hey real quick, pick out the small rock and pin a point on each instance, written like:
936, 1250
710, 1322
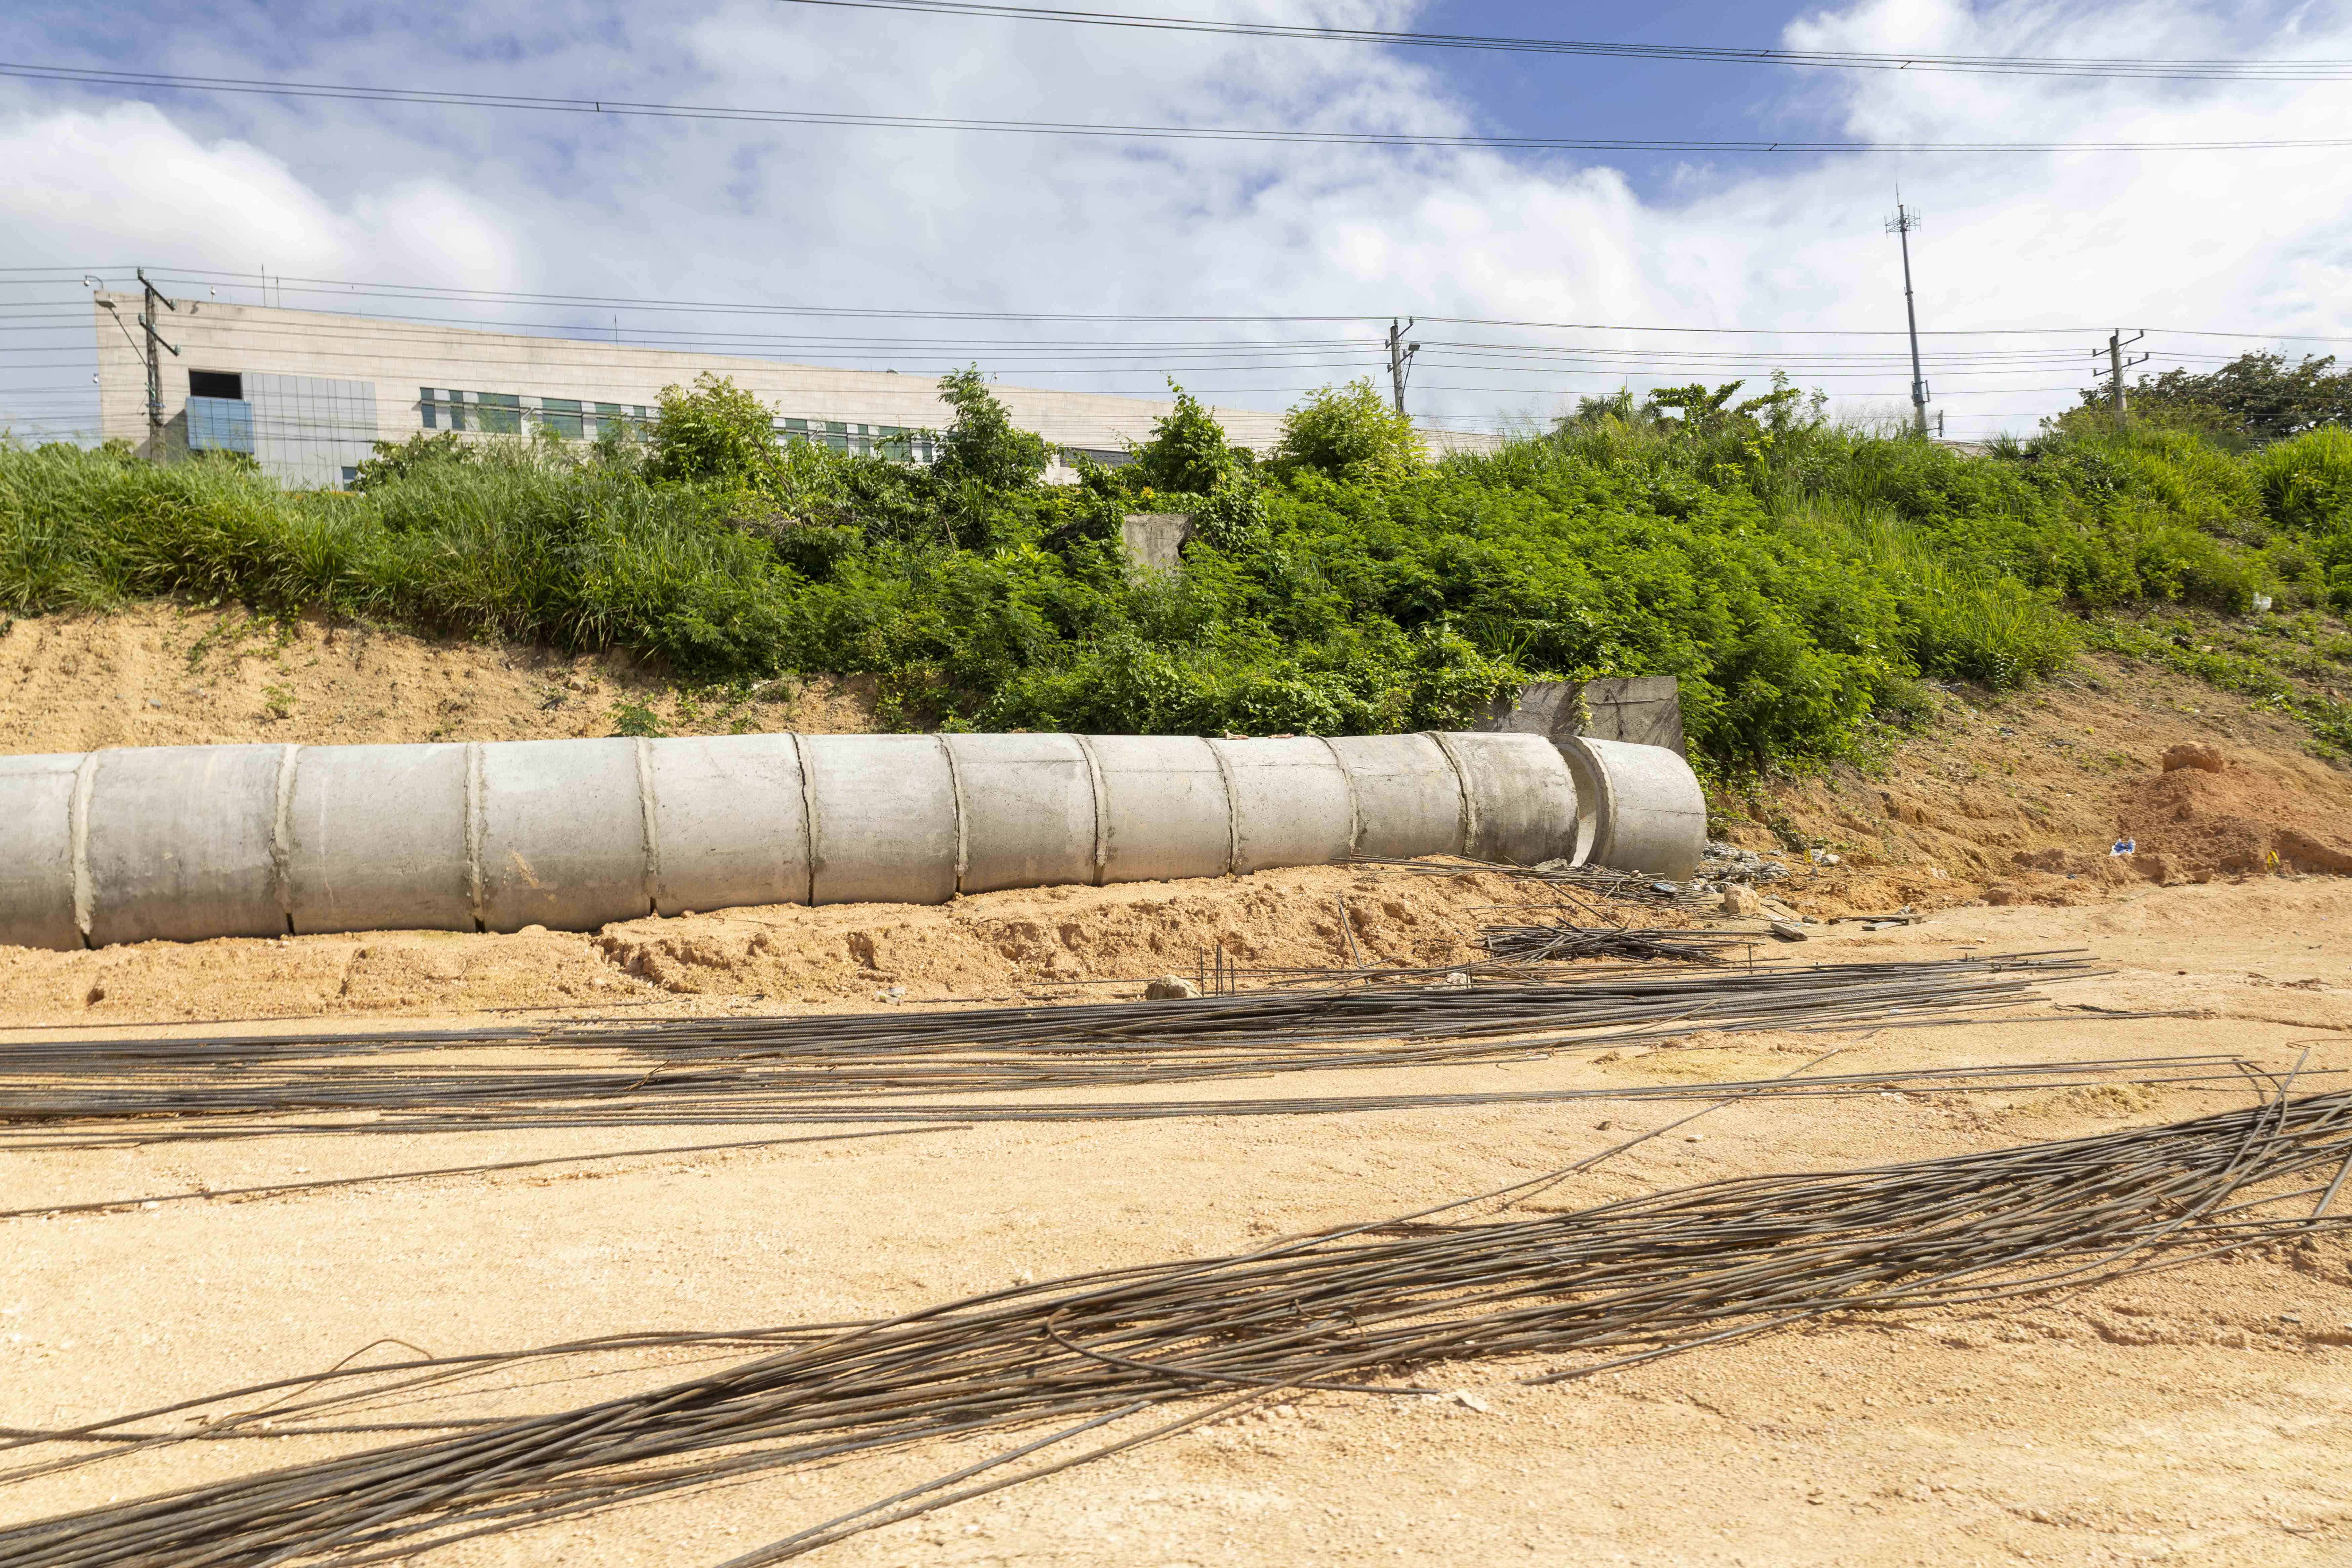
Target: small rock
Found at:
1693, 1137
1788, 933
1456, 981
1740, 901
1470, 1401
1170, 988
2194, 754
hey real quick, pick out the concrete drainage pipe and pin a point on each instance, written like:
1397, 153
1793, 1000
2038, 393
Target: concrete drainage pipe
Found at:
187, 842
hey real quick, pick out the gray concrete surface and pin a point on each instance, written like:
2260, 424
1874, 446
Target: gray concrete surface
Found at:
1027, 808
1408, 797
185, 843
731, 822
882, 815
562, 826
36, 854
1644, 709
1154, 540
181, 844
1291, 800
1165, 809
376, 838
1652, 813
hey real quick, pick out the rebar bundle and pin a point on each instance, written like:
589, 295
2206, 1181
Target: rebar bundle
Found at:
1595, 881
1554, 941
1359, 1311
841, 1068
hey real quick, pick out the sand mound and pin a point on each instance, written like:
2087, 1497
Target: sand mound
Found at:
2015, 798
2193, 823
1076, 944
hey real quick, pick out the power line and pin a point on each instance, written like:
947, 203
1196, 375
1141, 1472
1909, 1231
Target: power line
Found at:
148, 81
2268, 71
357, 289
361, 289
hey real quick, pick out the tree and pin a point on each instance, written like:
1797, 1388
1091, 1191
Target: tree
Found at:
983, 445
717, 432
2257, 396
1703, 411
1348, 433
1188, 452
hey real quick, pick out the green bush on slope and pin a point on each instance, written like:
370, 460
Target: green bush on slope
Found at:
1798, 577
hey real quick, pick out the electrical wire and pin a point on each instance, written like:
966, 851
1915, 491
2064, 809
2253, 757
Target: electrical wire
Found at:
357, 289
2158, 69
151, 81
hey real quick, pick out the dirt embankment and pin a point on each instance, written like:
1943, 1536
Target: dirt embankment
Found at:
1068, 943
168, 675
2019, 799
2014, 798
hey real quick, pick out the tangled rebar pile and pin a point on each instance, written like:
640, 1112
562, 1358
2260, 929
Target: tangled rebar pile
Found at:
843, 1068
1600, 882
1553, 941
1595, 1288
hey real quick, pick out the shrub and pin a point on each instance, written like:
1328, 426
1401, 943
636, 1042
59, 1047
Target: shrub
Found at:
396, 460
1348, 434
1800, 578
983, 445
718, 433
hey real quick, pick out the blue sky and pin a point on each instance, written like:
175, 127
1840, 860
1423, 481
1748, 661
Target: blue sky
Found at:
2059, 244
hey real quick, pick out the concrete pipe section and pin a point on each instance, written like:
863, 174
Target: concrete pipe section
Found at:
1639, 808
182, 843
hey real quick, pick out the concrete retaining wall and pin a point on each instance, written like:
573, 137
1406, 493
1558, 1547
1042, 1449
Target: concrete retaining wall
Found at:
185, 843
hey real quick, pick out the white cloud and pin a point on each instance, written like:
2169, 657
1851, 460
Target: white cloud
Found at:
95, 187
869, 217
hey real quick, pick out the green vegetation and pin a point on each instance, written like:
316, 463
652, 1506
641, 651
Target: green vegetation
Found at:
2257, 397
1802, 578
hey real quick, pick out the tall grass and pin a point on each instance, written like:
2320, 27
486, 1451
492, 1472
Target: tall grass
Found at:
577, 556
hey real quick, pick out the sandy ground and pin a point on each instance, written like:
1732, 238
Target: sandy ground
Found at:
2198, 1417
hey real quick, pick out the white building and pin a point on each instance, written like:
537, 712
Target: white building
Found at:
309, 393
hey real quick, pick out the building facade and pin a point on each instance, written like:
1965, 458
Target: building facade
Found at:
308, 394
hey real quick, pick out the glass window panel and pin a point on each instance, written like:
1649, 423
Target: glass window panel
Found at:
500, 414
561, 415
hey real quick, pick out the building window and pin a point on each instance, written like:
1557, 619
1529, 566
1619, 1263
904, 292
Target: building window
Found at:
561, 415
438, 408
220, 424
224, 383
351, 475
499, 414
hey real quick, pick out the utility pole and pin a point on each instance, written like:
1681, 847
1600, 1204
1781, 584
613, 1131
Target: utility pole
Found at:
154, 367
1901, 225
1400, 357
2116, 364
